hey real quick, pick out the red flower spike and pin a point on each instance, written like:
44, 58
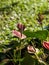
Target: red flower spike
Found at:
18, 34
30, 49
21, 26
46, 45
40, 18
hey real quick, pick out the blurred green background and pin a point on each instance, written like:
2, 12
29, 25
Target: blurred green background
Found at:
26, 12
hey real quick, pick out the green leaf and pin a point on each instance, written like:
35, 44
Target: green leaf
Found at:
38, 34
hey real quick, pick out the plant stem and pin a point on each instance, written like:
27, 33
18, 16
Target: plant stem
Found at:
42, 26
20, 53
20, 57
40, 60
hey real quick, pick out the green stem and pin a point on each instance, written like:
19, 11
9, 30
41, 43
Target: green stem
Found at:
20, 53
40, 60
20, 57
14, 56
42, 26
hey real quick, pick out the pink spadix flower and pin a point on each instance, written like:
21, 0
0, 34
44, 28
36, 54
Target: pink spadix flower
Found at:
20, 26
46, 45
18, 34
31, 49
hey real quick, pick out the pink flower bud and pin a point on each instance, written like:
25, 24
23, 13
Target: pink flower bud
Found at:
18, 34
46, 45
30, 49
